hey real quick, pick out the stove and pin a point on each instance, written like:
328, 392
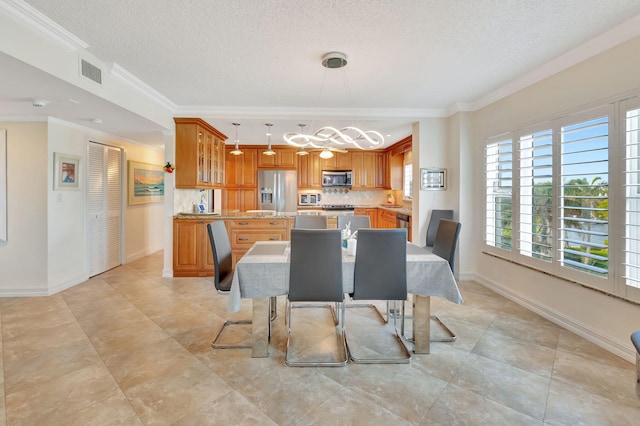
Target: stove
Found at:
338, 207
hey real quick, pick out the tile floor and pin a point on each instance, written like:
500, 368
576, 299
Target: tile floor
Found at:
130, 347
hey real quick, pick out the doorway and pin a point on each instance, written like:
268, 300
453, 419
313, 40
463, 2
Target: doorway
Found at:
104, 206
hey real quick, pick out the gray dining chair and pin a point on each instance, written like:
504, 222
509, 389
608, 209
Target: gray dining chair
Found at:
311, 222
635, 339
315, 275
434, 221
223, 275
445, 244
355, 222
380, 273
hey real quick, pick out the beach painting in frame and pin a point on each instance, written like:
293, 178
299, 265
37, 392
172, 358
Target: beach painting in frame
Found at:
146, 183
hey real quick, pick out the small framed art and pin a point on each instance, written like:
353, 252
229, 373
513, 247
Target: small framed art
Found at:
433, 179
66, 172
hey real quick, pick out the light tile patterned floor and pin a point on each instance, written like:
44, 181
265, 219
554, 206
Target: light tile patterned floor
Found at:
130, 347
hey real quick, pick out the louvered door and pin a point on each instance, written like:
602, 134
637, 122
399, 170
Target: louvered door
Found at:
104, 207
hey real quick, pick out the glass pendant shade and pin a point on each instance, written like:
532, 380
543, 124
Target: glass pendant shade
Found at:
236, 149
269, 151
325, 153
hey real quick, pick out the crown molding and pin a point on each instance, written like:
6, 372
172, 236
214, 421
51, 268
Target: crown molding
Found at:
134, 82
25, 14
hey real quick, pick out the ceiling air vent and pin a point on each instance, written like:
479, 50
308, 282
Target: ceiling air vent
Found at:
91, 72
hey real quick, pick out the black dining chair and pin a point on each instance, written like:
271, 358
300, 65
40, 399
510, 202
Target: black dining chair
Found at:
315, 275
311, 222
355, 222
445, 244
223, 275
380, 273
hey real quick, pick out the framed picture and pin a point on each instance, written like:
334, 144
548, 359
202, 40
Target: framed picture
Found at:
146, 183
66, 172
431, 179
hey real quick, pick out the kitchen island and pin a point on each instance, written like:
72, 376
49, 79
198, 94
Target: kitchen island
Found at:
192, 255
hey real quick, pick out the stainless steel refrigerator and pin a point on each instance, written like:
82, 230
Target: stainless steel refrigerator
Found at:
278, 190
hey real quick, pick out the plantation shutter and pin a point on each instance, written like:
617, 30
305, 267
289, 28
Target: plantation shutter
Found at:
631, 271
498, 194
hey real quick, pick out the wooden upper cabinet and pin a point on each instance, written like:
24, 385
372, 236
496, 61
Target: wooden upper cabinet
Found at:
310, 171
285, 158
199, 154
339, 161
241, 170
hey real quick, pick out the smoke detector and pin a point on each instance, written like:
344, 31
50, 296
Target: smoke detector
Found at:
39, 103
334, 60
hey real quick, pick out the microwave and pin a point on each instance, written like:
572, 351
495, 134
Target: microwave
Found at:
336, 178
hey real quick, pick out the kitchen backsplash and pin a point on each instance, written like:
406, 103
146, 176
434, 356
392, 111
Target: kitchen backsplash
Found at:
183, 199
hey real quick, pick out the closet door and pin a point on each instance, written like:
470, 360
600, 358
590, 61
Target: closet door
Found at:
104, 206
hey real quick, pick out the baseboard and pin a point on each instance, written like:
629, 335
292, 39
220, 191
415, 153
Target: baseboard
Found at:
620, 349
142, 253
24, 292
67, 284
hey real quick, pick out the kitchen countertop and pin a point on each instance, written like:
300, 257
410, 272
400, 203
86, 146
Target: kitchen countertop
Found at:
234, 214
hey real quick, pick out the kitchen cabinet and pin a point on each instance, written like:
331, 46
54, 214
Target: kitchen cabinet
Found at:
241, 170
244, 232
386, 219
310, 171
364, 165
339, 161
199, 155
285, 158
192, 255
240, 199
372, 213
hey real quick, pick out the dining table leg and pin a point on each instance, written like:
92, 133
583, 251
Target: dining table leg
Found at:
421, 329
260, 327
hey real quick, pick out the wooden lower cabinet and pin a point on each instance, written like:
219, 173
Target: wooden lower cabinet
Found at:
192, 255
372, 213
386, 219
244, 232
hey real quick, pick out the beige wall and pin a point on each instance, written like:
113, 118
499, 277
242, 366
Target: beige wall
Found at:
23, 257
47, 242
602, 319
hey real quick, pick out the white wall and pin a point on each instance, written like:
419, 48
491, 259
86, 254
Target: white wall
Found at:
602, 319
47, 229
23, 257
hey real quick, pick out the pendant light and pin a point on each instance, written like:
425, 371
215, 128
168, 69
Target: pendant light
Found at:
236, 150
269, 151
302, 151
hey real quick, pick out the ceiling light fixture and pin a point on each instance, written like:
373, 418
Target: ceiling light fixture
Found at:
325, 153
302, 151
269, 151
236, 150
328, 137
39, 103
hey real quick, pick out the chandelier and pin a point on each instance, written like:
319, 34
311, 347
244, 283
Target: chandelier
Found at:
236, 150
330, 138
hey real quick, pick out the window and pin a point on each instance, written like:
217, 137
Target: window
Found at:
407, 181
555, 183
536, 195
631, 271
584, 196
499, 180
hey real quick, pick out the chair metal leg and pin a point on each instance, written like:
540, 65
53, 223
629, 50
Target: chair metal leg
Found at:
405, 360
638, 375
273, 309
339, 332
216, 345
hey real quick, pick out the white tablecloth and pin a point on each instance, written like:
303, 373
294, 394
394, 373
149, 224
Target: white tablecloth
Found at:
264, 272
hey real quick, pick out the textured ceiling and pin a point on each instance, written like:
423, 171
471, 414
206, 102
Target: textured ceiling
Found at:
258, 61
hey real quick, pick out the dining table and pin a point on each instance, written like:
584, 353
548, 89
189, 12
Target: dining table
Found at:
263, 273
